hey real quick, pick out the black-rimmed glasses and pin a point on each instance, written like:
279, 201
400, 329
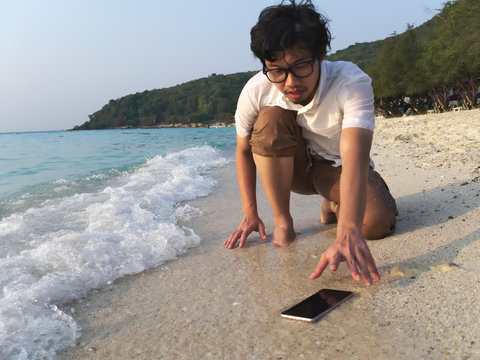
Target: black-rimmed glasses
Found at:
300, 70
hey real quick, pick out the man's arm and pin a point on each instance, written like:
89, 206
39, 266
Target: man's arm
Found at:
246, 174
350, 246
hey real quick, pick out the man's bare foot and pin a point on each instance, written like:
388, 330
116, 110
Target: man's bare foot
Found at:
284, 233
327, 212
283, 237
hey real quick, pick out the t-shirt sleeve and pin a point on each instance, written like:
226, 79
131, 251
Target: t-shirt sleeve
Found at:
356, 100
247, 110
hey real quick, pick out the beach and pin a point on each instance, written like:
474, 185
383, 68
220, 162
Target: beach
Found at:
214, 303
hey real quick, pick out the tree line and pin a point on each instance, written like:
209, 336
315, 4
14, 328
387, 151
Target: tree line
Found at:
425, 67
433, 65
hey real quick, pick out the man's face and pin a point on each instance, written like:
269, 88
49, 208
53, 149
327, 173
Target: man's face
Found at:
297, 90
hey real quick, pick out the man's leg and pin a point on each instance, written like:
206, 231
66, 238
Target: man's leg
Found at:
328, 212
281, 160
276, 175
381, 210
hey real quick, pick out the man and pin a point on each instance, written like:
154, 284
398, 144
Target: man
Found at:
306, 125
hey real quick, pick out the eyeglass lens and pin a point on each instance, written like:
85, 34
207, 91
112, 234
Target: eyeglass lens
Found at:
301, 70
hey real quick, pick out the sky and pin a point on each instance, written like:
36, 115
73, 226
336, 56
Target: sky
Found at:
61, 61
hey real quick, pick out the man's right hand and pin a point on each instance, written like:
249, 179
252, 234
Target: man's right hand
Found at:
248, 224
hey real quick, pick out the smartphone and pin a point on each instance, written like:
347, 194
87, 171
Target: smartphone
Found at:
314, 307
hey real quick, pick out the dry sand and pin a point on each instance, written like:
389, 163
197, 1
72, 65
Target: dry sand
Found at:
214, 303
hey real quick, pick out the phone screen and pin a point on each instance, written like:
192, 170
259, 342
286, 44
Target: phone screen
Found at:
313, 307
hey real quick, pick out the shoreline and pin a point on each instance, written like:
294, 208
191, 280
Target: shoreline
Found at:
169, 126
214, 303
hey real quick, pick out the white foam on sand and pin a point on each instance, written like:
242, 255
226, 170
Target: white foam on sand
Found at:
58, 252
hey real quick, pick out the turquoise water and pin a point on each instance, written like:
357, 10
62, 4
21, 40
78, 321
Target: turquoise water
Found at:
79, 210
30, 159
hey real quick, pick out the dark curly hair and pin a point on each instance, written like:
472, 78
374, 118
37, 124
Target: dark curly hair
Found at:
282, 26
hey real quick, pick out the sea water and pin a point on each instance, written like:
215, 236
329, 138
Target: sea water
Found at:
81, 209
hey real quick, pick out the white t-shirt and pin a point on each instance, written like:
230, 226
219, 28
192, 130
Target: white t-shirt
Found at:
344, 99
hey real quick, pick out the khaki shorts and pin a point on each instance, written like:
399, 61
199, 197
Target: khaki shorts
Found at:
277, 134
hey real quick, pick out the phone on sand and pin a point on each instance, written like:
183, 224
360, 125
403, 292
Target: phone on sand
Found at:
317, 305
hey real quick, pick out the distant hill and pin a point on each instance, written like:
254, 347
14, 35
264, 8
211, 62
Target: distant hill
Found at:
363, 54
205, 100
440, 52
367, 54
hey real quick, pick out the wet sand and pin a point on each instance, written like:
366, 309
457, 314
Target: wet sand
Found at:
214, 303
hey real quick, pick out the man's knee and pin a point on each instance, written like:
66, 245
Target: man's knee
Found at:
380, 214
378, 226
275, 133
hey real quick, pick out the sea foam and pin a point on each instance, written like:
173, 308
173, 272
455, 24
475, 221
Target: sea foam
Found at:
61, 250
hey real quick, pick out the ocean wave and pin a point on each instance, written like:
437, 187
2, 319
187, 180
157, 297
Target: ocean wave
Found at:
59, 251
